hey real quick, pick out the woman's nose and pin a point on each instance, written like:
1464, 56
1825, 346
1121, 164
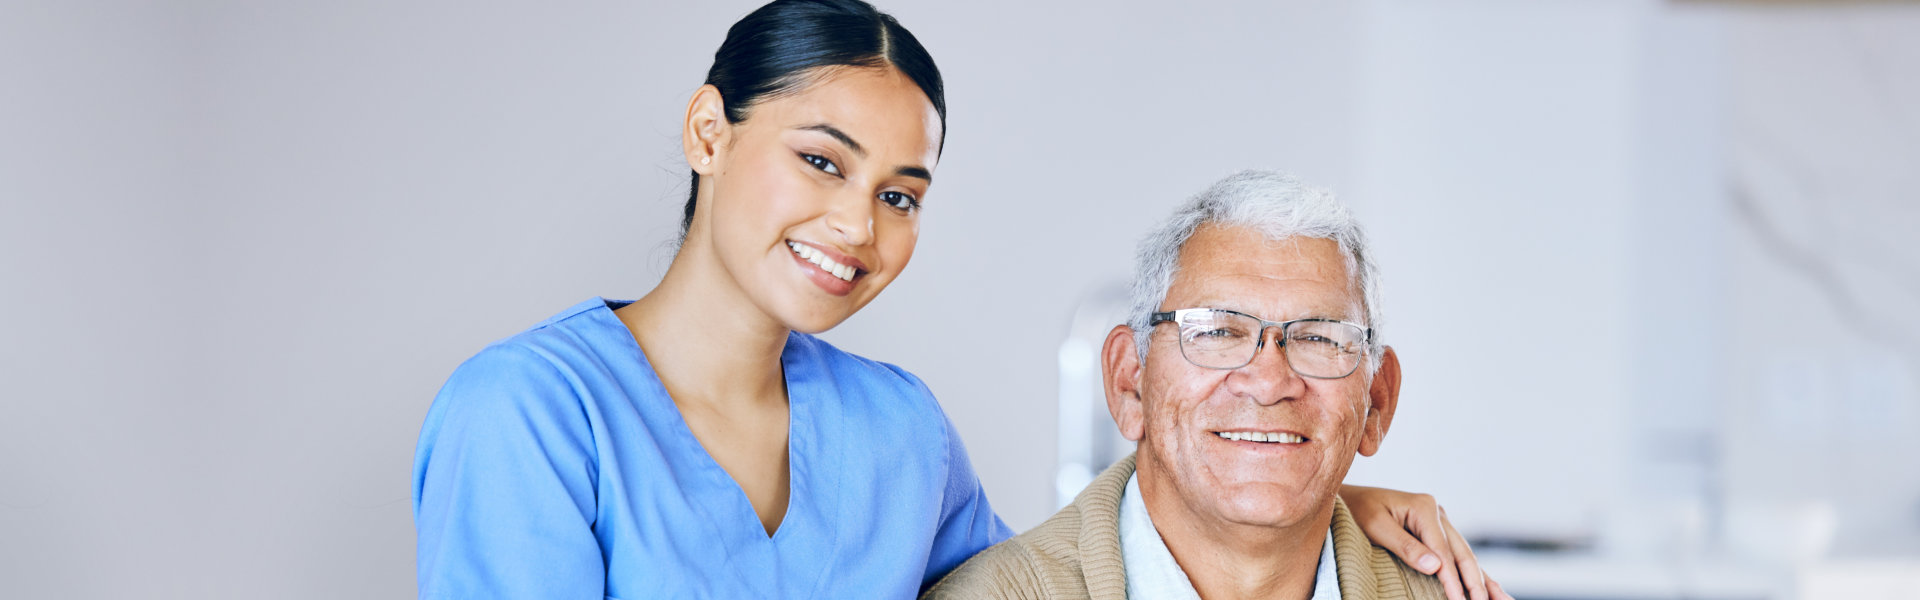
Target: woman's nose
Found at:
851, 218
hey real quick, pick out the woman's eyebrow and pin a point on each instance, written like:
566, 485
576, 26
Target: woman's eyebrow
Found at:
920, 172
915, 172
838, 135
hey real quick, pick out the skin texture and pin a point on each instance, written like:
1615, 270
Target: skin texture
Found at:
1245, 519
715, 326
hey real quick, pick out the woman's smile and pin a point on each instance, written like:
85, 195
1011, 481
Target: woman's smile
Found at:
831, 270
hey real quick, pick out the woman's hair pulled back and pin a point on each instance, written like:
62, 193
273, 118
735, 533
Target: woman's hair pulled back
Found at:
776, 49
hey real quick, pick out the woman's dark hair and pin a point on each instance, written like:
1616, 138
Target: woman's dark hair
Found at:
773, 50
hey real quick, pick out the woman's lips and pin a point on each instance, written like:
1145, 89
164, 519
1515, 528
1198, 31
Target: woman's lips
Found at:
832, 271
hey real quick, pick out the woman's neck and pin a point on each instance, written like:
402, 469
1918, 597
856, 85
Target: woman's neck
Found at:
708, 342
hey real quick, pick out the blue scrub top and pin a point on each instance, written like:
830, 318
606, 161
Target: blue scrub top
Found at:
554, 465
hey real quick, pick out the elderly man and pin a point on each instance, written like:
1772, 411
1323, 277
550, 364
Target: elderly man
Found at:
1250, 374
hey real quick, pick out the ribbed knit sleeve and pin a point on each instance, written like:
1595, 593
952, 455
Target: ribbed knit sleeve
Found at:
1369, 572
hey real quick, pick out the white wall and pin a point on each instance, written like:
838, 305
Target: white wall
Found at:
1497, 180
244, 243
95, 471
1823, 378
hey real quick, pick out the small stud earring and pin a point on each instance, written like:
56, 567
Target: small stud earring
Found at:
705, 160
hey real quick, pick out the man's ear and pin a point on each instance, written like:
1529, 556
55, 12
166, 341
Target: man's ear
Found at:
1120, 374
1382, 398
705, 131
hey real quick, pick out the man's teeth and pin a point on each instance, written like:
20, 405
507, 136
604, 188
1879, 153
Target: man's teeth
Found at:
1255, 436
820, 258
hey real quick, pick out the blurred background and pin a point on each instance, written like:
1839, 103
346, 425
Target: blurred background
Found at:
1650, 265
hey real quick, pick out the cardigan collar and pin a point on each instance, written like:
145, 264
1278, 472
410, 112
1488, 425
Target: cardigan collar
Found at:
1099, 543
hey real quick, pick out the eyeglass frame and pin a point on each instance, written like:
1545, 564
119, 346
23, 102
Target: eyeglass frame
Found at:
1260, 341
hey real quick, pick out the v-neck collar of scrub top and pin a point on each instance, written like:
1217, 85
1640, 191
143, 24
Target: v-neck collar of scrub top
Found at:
730, 515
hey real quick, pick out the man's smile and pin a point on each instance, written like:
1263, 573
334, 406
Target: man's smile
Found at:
1264, 437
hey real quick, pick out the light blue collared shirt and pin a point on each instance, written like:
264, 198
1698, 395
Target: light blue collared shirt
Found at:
1152, 573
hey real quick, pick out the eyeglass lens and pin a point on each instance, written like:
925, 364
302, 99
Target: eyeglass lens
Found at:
1225, 340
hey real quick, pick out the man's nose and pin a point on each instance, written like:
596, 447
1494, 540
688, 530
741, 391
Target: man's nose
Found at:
850, 216
1268, 379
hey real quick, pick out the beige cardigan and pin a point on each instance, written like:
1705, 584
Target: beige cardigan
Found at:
1075, 554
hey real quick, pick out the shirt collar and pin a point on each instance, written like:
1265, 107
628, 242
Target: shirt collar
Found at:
1152, 573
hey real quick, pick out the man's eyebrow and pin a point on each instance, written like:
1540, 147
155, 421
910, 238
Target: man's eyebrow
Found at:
838, 135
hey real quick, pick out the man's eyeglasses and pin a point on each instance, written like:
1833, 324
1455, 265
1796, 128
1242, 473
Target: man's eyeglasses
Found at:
1224, 339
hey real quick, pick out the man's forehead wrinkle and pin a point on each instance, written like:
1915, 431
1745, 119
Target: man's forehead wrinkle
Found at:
1260, 248
1303, 291
1296, 246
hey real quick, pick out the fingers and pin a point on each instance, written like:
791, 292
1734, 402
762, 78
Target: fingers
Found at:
1388, 525
1409, 549
1473, 576
1493, 587
1430, 522
1436, 539
1450, 579
1450, 576
1416, 530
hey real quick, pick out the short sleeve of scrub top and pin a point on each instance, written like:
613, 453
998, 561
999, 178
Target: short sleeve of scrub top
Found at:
554, 465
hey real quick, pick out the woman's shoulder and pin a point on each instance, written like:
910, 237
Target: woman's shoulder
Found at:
876, 385
584, 332
548, 360
848, 364
506, 381
589, 327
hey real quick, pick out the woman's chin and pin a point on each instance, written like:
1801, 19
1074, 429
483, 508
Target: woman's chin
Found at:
814, 322
815, 313
811, 329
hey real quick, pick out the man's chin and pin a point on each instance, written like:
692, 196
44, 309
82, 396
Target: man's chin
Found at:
1265, 504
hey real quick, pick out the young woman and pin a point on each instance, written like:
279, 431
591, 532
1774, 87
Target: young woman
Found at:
698, 442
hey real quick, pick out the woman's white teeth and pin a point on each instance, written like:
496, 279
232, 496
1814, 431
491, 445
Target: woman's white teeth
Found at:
815, 256
1255, 436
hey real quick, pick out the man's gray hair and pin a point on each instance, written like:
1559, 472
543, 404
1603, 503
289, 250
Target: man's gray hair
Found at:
1276, 205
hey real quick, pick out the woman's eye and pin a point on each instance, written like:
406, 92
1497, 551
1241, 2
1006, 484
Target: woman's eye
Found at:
821, 163
900, 200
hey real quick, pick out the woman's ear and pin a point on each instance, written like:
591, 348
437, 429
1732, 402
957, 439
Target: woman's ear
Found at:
705, 131
1120, 375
